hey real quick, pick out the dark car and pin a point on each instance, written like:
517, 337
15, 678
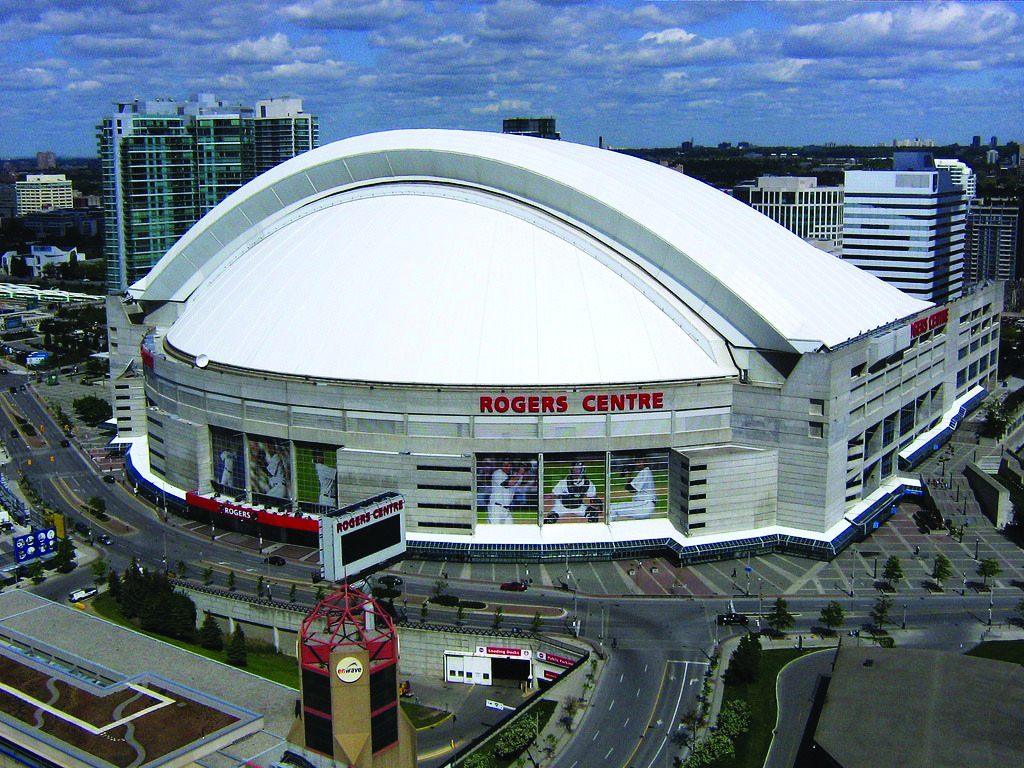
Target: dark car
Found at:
109, 479
727, 619
275, 560
387, 580
65, 443
105, 538
81, 527
515, 586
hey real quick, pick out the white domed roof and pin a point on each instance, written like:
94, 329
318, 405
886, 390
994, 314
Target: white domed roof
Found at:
500, 222
416, 286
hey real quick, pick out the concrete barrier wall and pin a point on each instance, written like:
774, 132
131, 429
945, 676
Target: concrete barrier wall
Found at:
992, 496
422, 645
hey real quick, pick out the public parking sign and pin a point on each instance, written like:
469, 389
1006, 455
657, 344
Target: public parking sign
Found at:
36, 544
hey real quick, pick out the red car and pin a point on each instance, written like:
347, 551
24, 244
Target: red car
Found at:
515, 586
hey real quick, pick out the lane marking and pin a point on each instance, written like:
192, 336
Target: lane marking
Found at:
609, 752
611, 705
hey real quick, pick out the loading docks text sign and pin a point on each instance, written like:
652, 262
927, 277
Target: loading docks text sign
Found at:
498, 652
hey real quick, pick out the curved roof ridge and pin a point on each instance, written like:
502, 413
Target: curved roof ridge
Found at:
757, 283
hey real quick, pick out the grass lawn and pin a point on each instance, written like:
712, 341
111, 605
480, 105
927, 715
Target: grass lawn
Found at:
752, 746
423, 717
1000, 650
272, 666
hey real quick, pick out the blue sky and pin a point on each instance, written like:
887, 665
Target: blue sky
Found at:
640, 74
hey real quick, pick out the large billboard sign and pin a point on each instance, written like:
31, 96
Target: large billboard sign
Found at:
316, 476
270, 469
362, 536
36, 544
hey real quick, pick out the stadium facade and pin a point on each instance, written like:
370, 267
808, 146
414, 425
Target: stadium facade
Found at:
549, 350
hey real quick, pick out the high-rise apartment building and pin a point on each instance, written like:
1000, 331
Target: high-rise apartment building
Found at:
994, 240
799, 204
43, 192
167, 163
282, 131
907, 226
46, 161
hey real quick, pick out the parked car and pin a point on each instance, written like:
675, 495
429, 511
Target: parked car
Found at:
515, 586
78, 595
727, 619
65, 443
275, 560
109, 479
105, 538
390, 581
81, 528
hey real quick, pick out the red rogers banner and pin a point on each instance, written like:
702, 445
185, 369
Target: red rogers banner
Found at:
504, 653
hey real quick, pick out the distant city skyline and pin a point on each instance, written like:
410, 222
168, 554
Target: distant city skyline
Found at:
638, 74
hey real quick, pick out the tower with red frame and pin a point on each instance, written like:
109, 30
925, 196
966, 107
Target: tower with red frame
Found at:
348, 661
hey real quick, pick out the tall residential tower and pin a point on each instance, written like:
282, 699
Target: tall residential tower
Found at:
167, 163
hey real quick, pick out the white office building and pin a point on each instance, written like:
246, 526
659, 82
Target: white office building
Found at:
43, 192
799, 204
907, 226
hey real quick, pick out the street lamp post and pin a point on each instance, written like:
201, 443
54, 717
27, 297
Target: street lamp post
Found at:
963, 590
977, 541
991, 600
904, 615
875, 574
760, 597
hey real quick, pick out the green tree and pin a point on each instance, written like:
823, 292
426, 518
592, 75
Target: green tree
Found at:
942, 569
833, 615
745, 660
880, 611
779, 618
182, 569
499, 616
439, 587
319, 594
989, 568
893, 571
259, 585
291, 594
64, 555
91, 409
211, 636
208, 575
114, 585
516, 736
231, 581
182, 617
236, 647
423, 611
537, 622
35, 572
460, 614
99, 570
96, 506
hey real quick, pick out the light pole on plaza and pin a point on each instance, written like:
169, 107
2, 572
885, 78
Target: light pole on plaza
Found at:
977, 541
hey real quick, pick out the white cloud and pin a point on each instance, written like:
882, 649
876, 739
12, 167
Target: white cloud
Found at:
265, 50
85, 85
668, 36
349, 14
505, 105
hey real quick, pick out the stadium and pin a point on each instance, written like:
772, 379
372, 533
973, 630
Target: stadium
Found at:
550, 351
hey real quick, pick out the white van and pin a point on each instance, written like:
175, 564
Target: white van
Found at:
79, 595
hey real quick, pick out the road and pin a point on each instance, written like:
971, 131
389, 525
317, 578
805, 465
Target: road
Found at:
657, 648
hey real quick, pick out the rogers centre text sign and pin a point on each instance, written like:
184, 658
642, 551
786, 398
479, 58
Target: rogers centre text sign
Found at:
594, 403
925, 324
371, 515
